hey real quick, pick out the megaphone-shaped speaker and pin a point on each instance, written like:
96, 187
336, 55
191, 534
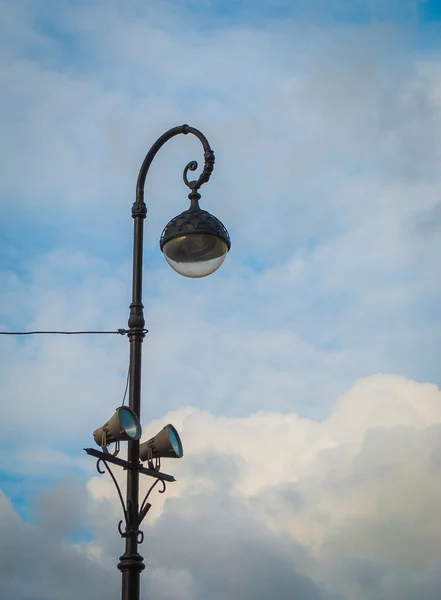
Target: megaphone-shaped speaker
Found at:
123, 426
165, 444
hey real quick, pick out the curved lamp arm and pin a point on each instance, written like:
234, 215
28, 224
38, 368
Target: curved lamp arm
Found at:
139, 208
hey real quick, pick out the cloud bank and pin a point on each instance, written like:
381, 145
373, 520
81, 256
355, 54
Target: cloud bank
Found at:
268, 504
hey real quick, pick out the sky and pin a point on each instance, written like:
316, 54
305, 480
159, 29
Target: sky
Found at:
303, 376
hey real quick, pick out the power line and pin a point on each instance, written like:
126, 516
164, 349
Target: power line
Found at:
119, 332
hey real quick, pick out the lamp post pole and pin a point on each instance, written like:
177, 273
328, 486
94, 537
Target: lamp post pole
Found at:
199, 239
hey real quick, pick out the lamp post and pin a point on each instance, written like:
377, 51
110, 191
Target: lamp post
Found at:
195, 244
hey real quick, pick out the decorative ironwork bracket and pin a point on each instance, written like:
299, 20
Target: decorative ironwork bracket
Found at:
105, 458
139, 208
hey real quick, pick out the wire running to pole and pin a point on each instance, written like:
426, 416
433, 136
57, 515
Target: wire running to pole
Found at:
118, 331
127, 386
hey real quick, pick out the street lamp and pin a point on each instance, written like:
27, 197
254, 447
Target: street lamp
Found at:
195, 244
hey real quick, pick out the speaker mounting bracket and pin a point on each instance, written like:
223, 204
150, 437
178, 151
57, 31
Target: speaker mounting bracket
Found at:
153, 471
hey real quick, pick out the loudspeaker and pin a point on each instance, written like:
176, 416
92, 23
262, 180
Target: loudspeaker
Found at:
123, 426
165, 444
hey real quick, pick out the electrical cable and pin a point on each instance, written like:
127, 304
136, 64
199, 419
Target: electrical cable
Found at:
120, 332
127, 386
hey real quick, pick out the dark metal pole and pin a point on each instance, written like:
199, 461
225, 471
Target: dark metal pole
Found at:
131, 562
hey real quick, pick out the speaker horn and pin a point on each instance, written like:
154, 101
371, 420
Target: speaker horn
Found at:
123, 426
165, 444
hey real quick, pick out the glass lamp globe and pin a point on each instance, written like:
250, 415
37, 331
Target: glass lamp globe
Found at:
195, 255
195, 243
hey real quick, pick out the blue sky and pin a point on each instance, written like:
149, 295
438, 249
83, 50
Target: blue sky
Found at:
319, 337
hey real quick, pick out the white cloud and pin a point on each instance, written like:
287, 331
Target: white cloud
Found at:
351, 503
